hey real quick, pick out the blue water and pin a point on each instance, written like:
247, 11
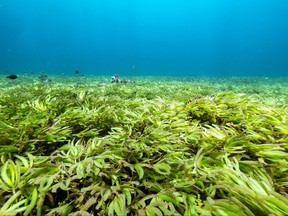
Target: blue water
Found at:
145, 37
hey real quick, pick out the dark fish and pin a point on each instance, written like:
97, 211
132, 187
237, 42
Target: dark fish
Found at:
12, 76
77, 72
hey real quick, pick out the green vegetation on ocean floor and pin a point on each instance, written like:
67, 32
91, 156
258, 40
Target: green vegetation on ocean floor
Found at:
154, 147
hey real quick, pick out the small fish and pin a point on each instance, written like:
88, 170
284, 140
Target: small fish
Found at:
115, 78
76, 72
12, 76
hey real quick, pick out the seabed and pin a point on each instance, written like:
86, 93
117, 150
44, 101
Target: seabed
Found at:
153, 146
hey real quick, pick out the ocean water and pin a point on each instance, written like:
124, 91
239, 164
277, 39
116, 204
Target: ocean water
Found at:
151, 37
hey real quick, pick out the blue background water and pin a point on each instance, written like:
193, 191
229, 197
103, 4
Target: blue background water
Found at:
158, 37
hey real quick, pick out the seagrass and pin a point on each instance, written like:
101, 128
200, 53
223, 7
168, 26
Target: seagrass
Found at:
170, 146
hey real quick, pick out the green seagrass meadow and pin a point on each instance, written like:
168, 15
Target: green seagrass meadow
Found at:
155, 146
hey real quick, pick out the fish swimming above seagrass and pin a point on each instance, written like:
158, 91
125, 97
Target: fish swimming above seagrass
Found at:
12, 76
